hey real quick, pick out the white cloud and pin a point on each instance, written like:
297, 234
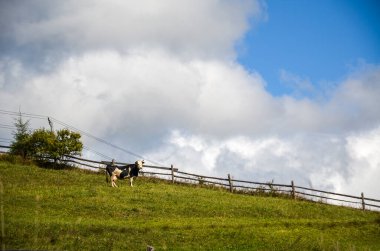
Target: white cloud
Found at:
161, 80
200, 28
298, 85
363, 149
153, 88
355, 102
347, 163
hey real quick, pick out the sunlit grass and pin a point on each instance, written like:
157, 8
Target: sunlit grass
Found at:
48, 209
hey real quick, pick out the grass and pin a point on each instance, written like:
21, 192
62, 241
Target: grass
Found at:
71, 209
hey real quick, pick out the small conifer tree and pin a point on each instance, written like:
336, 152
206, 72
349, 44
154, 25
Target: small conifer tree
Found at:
20, 145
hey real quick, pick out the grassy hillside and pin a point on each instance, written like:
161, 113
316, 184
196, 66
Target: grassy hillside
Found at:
49, 209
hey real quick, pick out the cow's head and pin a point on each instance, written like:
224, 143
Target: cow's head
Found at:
139, 164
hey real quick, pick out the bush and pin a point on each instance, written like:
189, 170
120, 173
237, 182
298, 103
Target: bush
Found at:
42, 144
67, 143
47, 144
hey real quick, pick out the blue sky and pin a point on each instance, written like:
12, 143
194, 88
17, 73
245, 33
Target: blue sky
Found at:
321, 41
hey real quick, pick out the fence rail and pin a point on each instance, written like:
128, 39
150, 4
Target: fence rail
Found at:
235, 185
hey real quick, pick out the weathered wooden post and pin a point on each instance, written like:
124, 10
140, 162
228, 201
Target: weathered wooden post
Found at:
363, 203
230, 182
293, 191
200, 180
172, 170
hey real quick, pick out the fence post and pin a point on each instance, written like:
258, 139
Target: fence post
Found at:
172, 170
293, 191
230, 182
363, 203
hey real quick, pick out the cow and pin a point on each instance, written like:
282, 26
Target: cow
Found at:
123, 172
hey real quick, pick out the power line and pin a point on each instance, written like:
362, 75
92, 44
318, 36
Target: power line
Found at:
7, 127
105, 142
36, 116
102, 140
28, 115
97, 153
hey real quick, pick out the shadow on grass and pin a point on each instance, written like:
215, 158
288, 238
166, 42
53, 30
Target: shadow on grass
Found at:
16, 159
54, 165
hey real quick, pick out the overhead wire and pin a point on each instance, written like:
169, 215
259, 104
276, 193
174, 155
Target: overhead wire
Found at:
28, 115
4, 125
97, 153
104, 141
37, 116
7, 127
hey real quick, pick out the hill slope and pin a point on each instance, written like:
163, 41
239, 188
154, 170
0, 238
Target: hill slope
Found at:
74, 209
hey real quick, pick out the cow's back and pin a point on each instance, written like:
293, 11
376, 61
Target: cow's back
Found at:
110, 169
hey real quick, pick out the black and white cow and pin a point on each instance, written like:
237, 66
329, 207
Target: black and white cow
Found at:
123, 172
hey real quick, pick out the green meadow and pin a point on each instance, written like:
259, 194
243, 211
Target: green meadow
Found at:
72, 209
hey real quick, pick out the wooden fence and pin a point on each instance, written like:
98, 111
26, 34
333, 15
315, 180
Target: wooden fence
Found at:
4, 147
244, 186
241, 186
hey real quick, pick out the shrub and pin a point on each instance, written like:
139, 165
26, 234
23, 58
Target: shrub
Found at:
42, 144
67, 143
48, 144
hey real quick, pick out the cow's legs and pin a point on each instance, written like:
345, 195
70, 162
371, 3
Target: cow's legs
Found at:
131, 181
113, 179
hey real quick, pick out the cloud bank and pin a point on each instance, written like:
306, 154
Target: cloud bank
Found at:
200, 29
162, 80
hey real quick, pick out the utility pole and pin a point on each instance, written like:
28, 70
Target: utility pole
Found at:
50, 124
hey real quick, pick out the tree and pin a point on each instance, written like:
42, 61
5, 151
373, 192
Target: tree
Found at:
68, 143
42, 144
55, 145
20, 145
